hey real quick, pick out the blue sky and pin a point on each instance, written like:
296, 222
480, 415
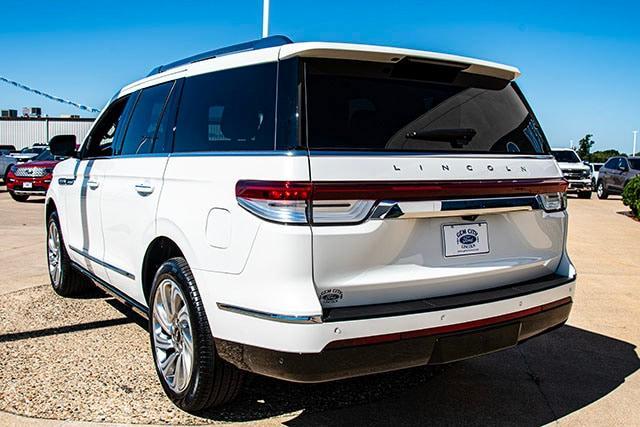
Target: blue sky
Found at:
580, 59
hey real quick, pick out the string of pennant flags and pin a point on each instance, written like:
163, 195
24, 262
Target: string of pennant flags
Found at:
46, 95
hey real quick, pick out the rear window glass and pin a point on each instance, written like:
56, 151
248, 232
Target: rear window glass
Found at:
416, 109
566, 156
229, 110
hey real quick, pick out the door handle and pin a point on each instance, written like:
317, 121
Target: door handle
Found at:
93, 184
144, 189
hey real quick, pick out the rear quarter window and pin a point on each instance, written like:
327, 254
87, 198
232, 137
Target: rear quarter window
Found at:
230, 110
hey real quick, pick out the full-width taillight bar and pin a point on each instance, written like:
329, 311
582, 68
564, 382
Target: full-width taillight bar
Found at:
350, 202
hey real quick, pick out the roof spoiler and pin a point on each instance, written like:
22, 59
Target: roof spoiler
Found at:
271, 41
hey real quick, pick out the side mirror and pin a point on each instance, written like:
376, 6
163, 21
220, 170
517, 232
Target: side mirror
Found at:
63, 145
623, 168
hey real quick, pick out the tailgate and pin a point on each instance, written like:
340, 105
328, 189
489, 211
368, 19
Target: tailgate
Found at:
436, 237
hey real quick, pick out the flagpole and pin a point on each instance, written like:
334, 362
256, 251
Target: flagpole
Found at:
265, 18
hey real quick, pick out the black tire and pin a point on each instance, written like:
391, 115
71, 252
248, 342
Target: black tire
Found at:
601, 190
18, 197
71, 282
584, 195
213, 381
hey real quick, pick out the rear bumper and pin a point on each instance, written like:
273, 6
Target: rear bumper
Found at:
29, 192
346, 342
345, 359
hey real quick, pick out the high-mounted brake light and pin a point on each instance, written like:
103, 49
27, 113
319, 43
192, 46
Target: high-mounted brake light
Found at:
302, 202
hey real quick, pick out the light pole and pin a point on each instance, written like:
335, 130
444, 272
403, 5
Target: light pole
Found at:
265, 18
635, 136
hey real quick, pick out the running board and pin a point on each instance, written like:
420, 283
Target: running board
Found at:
115, 293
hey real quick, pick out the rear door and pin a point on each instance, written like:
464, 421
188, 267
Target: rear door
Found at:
425, 183
132, 187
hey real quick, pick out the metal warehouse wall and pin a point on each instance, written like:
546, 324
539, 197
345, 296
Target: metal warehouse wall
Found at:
26, 132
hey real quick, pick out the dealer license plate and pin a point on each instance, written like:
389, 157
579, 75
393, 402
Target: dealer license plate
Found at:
465, 239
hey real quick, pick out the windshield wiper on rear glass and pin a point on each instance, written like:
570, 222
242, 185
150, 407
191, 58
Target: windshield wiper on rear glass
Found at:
457, 137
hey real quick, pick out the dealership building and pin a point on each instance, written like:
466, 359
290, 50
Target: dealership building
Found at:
24, 131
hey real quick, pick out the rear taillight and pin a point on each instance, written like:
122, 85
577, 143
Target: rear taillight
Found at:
279, 201
301, 202
290, 202
553, 202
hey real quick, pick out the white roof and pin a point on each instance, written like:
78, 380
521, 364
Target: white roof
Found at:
322, 50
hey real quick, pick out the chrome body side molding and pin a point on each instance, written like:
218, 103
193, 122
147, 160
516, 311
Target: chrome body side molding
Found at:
102, 263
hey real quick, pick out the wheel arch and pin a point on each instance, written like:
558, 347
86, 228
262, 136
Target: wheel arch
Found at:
159, 250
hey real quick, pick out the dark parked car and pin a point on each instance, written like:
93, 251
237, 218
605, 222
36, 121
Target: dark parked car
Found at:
615, 174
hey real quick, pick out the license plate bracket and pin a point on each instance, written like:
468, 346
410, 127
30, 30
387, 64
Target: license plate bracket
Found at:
465, 239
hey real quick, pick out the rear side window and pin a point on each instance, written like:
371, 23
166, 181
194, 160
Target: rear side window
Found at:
142, 129
230, 110
360, 106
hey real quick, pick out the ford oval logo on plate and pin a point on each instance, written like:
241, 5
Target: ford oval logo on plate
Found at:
467, 239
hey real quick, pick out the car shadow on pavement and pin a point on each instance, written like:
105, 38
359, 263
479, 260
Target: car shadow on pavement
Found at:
17, 336
536, 383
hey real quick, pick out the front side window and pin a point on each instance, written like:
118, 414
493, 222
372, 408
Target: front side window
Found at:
623, 163
100, 141
230, 110
412, 106
142, 129
634, 163
611, 163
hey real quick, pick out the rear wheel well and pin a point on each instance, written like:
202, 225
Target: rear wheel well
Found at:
160, 250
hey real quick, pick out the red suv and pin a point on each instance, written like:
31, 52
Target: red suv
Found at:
32, 178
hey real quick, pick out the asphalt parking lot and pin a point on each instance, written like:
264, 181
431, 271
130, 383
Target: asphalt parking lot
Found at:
85, 360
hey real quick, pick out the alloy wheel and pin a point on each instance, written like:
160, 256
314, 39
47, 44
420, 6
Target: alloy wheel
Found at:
54, 254
172, 335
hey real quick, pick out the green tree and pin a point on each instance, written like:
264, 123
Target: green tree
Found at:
584, 147
603, 156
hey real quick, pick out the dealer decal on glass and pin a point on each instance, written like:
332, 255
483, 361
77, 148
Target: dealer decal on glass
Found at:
465, 239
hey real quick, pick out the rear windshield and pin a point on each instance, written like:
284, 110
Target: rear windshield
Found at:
566, 156
356, 106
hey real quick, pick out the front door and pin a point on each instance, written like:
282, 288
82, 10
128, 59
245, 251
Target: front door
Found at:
84, 222
132, 188
83, 190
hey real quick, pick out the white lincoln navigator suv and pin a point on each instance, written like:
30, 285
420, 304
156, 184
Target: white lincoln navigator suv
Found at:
315, 211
